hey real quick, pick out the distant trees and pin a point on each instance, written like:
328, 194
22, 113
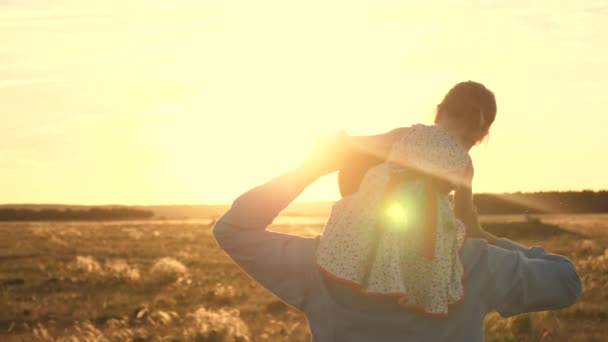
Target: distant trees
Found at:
566, 202
93, 214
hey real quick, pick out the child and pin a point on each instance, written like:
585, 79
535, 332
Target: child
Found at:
396, 234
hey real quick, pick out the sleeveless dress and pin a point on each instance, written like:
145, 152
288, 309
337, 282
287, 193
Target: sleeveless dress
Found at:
397, 235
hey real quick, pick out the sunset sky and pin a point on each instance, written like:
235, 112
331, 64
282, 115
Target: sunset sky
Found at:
194, 101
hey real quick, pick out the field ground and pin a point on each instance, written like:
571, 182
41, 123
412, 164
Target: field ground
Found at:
167, 280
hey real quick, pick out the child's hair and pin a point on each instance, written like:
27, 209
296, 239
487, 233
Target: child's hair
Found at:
471, 103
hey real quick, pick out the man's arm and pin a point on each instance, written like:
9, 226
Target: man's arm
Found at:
520, 279
529, 279
282, 263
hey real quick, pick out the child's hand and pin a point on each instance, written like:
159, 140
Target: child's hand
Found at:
327, 154
474, 229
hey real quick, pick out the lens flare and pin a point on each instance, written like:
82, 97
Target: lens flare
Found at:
396, 213
403, 210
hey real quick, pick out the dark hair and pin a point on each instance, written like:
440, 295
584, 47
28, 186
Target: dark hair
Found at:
469, 102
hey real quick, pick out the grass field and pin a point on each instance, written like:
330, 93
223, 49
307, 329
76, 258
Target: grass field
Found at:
167, 280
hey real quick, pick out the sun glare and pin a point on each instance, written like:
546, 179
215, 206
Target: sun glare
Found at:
403, 209
205, 99
396, 212
397, 217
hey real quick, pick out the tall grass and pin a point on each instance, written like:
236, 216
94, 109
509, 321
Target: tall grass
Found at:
160, 281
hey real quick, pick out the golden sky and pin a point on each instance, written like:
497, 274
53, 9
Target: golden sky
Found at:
184, 101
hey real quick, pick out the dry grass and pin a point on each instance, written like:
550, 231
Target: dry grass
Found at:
153, 281
145, 325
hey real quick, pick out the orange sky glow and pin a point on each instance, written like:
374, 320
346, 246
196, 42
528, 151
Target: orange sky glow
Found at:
193, 102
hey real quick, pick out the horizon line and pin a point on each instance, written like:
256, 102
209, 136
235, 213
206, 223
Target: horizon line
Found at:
295, 202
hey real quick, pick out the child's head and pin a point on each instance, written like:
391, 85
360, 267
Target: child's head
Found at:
470, 108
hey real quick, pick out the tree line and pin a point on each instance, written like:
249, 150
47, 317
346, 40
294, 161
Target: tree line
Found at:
92, 214
567, 202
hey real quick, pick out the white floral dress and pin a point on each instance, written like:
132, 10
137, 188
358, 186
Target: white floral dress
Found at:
397, 235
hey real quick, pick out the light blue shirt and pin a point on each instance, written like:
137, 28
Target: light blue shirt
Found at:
505, 277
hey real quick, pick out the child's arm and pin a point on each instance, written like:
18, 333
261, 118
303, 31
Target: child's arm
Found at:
361, 154
465, 210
